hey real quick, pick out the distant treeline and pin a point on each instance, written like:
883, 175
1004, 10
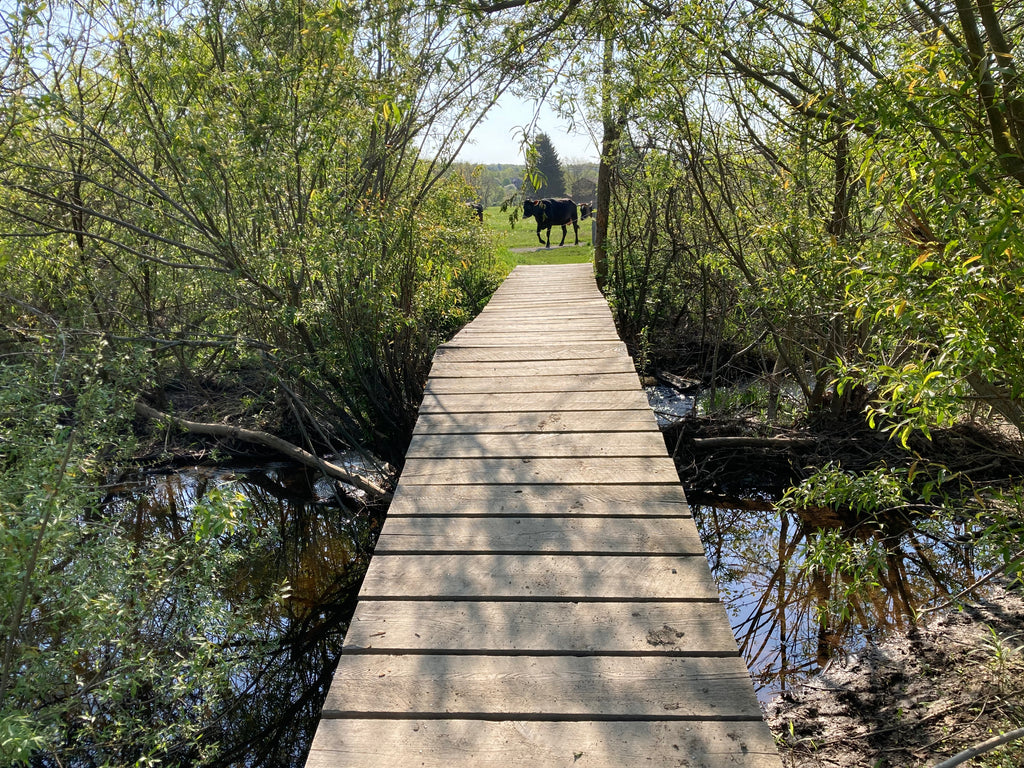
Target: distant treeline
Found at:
495, 183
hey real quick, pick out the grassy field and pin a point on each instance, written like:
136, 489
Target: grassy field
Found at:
524, 235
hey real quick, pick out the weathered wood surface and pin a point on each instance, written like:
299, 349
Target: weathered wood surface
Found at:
580, 382
583, 470
535, 628
428, 743
539, 500
535, 445
557, 353
540, 577
563, 535
472, 369
536, 401
503, 422
609, 687
539, 595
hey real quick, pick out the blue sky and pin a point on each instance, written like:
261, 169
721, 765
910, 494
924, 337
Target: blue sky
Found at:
496, 140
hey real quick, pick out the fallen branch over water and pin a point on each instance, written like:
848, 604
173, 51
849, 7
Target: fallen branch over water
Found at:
1013, 560
265, 438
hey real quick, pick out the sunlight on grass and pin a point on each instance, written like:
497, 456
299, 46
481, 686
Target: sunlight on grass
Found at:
524, 235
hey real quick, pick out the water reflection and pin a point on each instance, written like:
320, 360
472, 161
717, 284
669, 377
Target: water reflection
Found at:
669, 405
304, 550
789, 620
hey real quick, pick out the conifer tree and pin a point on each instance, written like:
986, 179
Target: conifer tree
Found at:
550, 180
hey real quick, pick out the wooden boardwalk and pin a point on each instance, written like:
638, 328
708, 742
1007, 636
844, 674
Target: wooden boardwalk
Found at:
539, 594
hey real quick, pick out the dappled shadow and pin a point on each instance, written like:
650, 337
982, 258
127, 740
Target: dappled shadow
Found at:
547, 604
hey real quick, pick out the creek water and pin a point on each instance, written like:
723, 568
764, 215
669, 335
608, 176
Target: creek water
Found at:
791, 619
669, 405
309, 550
788, 620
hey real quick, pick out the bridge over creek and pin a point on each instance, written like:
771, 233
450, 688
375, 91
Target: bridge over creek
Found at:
539, 594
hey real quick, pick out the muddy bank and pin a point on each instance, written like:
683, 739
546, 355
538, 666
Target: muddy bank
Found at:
916, 698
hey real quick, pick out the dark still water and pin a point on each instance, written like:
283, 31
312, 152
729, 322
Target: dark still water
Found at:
789, 618
301, 550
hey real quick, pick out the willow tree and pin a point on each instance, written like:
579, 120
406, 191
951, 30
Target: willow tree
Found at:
246, 202
914, 129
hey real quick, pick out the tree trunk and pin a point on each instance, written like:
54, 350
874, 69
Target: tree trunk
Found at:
609, 146
1000, 398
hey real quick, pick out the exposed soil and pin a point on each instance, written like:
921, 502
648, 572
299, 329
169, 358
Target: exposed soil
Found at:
915, 699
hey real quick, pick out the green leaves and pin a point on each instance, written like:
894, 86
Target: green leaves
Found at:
865, 494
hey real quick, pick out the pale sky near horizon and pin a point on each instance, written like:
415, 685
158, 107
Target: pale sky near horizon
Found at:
497, 139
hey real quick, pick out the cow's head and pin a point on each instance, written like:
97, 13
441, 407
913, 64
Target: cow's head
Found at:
533, 208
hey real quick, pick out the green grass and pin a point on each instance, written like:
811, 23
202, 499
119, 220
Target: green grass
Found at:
524, 235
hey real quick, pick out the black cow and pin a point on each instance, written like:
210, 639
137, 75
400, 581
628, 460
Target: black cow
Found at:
478, 210
551, 212
586, 210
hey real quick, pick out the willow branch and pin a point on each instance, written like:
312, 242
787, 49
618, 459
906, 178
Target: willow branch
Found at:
271, 441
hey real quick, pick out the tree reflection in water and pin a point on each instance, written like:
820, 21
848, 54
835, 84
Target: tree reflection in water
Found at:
790, 619
307, 551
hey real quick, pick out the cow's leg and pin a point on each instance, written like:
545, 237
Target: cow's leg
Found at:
563, 237
576, 230
540, 226
548, 244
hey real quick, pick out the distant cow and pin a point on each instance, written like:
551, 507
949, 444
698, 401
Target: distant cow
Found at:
551, 212
586, 210
478, 210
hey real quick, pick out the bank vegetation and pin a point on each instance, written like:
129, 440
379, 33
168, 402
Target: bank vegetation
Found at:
239, 217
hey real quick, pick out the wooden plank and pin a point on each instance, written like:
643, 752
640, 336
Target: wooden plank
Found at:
540, 421
574, 292
555, 286
550, 401
568, 471
562, 351
535, 338
507, 334
376, 743
608, 382
546, 312
540, 628
518, 501
546, 288
537, 314
501, 341
444, 368
539, 577
581, 270
656, 687
583, 535
526, 307
514, 322
537, 445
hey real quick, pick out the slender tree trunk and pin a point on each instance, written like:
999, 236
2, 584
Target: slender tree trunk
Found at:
609, 148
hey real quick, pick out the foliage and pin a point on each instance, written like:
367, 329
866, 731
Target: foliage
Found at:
176, 204
866, 494
108, 629
220, 207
